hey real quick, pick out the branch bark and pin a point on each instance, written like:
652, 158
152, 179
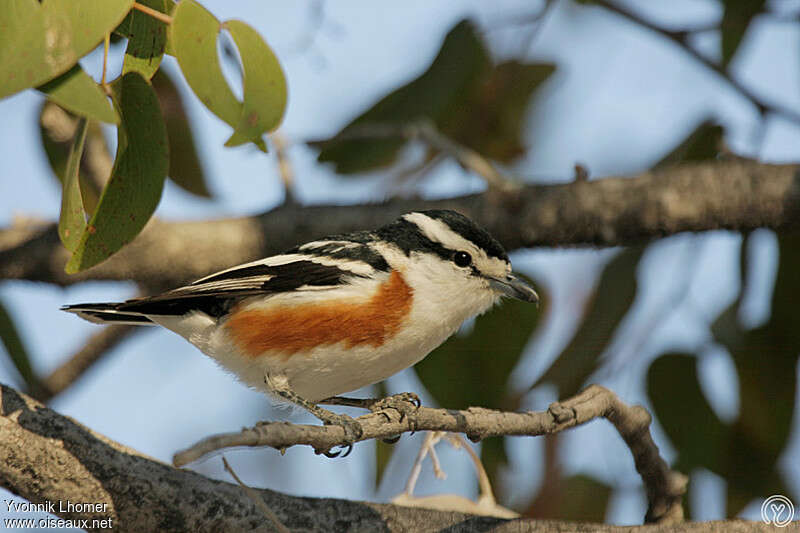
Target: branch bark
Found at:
735, 194
52, 458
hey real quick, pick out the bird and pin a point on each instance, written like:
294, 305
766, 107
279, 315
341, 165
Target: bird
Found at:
338, 313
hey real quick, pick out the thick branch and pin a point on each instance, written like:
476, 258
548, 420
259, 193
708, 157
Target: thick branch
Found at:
52, 458
736, 195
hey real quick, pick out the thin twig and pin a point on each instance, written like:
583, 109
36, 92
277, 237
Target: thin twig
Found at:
158, 15
681, 39
284, 166
253, 495
75, 366
664, 487
484, 485
425, 130
106, 43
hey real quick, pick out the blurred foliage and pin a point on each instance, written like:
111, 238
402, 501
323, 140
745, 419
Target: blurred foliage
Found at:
579, 497
745, 452
610, 302
15, 348
469, 99
703, 143
184, 163
736, 18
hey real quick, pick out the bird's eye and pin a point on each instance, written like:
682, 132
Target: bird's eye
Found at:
462, 259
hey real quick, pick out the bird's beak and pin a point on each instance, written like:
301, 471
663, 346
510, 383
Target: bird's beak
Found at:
515, 288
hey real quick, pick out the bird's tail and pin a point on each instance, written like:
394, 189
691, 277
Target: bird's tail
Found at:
108, 313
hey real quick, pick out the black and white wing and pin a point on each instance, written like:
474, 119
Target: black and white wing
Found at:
319, 265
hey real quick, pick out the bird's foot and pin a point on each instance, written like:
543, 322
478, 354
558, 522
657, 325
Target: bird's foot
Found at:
405, 403
352, 431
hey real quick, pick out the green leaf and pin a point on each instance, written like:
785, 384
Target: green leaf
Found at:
140, 167
57, 139
184, 164
77, 91
39, 41
703, 143
147, 38
442, 90
736, 19
16, 350
72, 221
264, 83
612, 300
700, 437
194, 34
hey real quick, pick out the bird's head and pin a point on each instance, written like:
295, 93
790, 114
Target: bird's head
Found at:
452, 259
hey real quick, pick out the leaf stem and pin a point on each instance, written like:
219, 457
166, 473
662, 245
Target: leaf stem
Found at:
106, 41
158, 15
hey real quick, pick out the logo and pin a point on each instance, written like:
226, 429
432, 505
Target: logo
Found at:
777, 510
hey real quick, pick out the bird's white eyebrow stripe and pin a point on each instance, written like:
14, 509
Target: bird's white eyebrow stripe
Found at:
439, 232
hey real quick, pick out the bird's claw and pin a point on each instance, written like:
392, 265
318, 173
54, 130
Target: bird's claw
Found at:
405, 403
352, 432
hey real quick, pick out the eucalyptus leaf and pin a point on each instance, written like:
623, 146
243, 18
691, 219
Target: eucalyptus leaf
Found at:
184, 163
72, 221
193, 36
77, 91
265, 95
134, 189
147, 38
53, 34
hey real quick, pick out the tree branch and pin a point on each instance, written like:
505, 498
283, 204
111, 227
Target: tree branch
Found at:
736, 194
52, 458
74, 367
664, 487
681, 39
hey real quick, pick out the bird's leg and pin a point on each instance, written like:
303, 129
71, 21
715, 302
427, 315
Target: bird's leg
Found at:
352, 428
404, 403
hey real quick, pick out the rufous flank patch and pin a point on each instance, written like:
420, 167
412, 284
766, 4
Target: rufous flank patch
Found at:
286, 330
